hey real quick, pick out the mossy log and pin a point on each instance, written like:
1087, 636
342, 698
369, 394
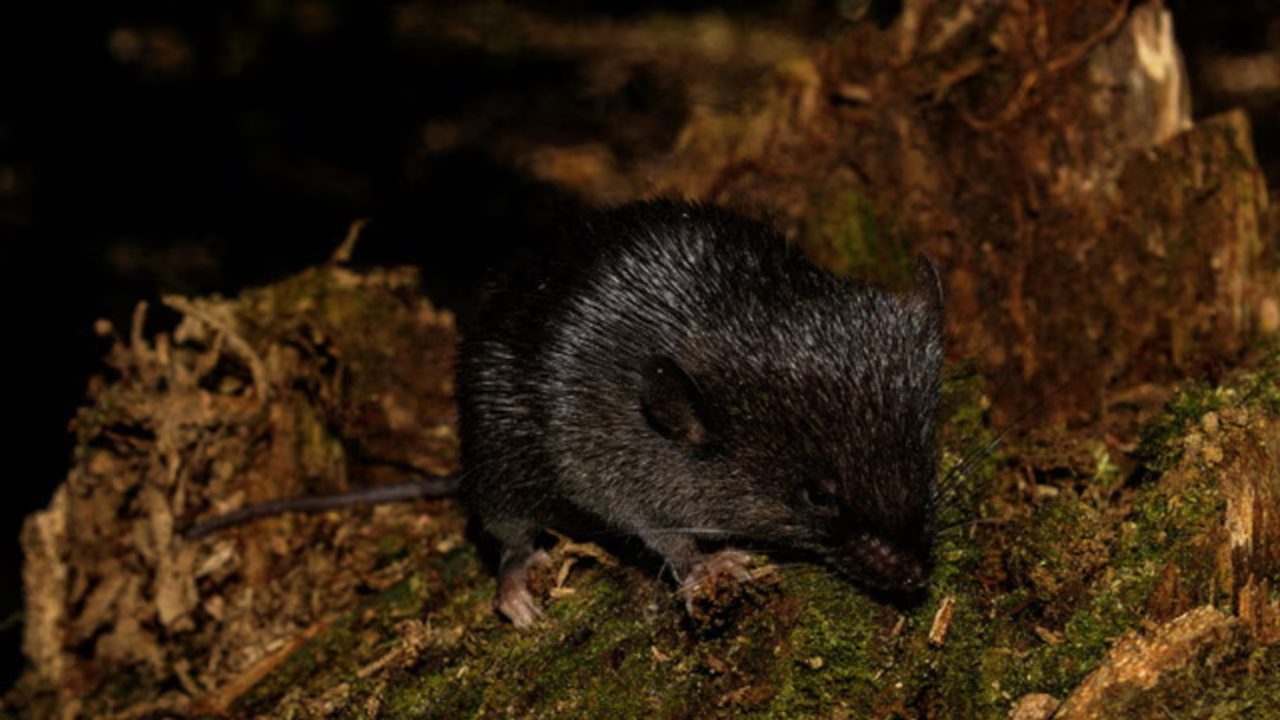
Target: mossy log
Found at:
1082, 582
1083, 240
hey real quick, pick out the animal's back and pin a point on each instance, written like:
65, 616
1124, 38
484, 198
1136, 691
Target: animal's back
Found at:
558, 346
553, 377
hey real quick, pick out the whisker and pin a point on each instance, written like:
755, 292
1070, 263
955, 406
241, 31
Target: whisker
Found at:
947, 493
706, 532
974, 522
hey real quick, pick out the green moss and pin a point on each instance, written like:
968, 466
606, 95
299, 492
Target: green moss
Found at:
600, 656
367, 326
968, 669
593, 640
1072, 577
1105, 581
1089, 633
850, 226
1166, 519
1163, 439
969, 457
1238, 680
837, 627
446, 594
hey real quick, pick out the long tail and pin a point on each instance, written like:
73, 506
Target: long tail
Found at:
376, 495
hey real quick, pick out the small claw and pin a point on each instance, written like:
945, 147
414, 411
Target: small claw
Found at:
518, 606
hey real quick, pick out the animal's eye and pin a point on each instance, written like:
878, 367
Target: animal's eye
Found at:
819, 496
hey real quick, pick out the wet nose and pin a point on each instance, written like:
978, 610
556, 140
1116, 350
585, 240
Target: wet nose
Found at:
886, 567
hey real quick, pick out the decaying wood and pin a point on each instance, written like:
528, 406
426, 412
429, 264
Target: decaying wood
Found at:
1095, 244
286, 390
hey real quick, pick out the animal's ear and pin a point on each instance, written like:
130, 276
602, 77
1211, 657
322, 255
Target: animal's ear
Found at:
672, 402
927, 292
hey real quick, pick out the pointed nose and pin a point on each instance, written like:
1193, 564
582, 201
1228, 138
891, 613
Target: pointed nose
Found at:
883, 566
911, 576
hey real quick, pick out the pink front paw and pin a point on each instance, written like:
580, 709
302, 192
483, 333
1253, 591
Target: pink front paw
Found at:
717, 574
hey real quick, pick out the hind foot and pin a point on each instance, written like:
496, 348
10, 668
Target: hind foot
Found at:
514, 600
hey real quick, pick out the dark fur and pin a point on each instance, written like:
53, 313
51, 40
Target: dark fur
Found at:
681, 372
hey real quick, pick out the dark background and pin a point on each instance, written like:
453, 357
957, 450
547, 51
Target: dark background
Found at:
132, 165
